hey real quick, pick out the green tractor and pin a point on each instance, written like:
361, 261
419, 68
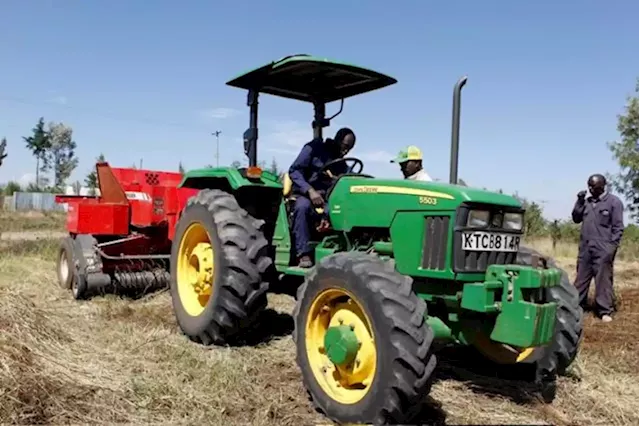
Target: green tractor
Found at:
405, 264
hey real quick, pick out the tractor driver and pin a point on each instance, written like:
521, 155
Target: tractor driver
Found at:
410, 160
310, 187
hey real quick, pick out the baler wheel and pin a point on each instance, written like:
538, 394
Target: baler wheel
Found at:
363, 346
65, 265
218, 259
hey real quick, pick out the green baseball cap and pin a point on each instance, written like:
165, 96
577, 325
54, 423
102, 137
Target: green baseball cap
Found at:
411, 152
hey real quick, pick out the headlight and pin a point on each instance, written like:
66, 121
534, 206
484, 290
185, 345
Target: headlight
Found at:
513, 221
478, 218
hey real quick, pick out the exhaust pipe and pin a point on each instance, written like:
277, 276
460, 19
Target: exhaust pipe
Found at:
455, 131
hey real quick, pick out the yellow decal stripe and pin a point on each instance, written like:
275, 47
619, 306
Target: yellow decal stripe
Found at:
377, 189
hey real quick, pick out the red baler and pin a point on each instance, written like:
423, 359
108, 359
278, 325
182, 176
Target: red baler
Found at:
122, 236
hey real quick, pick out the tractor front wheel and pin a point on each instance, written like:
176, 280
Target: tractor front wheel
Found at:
218, 258
363, 346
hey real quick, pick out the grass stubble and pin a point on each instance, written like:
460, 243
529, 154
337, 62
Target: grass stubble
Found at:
115, 360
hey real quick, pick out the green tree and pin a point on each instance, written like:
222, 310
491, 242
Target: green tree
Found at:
11, 188
625, 152
236, 164
91, 181
33, 187
38, 143
3, 150
61, 153
273, 168
534, 221
180, 168
77, 187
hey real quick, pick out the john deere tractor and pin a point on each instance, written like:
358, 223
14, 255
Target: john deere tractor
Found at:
403, 264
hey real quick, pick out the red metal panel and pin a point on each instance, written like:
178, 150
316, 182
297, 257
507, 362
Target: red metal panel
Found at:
152, 199
98, 218
141, 212
147, 192
183, 195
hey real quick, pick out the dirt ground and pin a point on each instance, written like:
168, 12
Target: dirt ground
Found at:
111, 359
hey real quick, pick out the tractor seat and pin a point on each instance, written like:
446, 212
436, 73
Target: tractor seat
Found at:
287, 192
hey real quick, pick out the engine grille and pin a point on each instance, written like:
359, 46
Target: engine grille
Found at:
477, 261
436, 236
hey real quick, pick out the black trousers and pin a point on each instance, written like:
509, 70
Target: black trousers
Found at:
595, 260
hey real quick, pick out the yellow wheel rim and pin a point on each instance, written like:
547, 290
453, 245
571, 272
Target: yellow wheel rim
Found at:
195, 269
500, 353
346, 384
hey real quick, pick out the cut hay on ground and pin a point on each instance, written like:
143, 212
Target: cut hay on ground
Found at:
113, 360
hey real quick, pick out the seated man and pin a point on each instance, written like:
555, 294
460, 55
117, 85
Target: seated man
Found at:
410, 160
311, 186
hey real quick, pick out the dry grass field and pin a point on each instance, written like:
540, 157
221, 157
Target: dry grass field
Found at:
111, 360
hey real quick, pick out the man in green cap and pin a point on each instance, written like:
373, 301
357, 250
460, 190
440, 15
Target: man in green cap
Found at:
410, 160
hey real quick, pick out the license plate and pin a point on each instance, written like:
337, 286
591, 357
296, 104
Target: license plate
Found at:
489, 241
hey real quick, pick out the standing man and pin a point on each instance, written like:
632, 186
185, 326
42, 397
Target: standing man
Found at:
600, 235
410, 160
310, 186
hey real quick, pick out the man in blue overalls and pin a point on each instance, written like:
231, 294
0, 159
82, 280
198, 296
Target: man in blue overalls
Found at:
602, 226
310, 187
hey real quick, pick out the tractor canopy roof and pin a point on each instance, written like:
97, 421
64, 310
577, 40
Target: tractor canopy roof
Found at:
312, 79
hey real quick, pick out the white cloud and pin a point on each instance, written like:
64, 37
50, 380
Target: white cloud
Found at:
220, 113
285, 137
26, 179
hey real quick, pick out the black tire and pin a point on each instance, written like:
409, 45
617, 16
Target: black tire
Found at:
405, 360
563, 348
241, 258
65, 265
88, 264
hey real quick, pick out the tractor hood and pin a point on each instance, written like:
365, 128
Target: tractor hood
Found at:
382, 199
438, 190
446, 191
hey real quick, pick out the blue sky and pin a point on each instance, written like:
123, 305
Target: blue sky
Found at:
141, 79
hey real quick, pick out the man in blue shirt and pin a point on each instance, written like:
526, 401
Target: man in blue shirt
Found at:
600, 235
310, 186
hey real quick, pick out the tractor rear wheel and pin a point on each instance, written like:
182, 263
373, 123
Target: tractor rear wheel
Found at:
218, 258
363, 346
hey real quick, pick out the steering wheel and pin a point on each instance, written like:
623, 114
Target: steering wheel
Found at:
350, 170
